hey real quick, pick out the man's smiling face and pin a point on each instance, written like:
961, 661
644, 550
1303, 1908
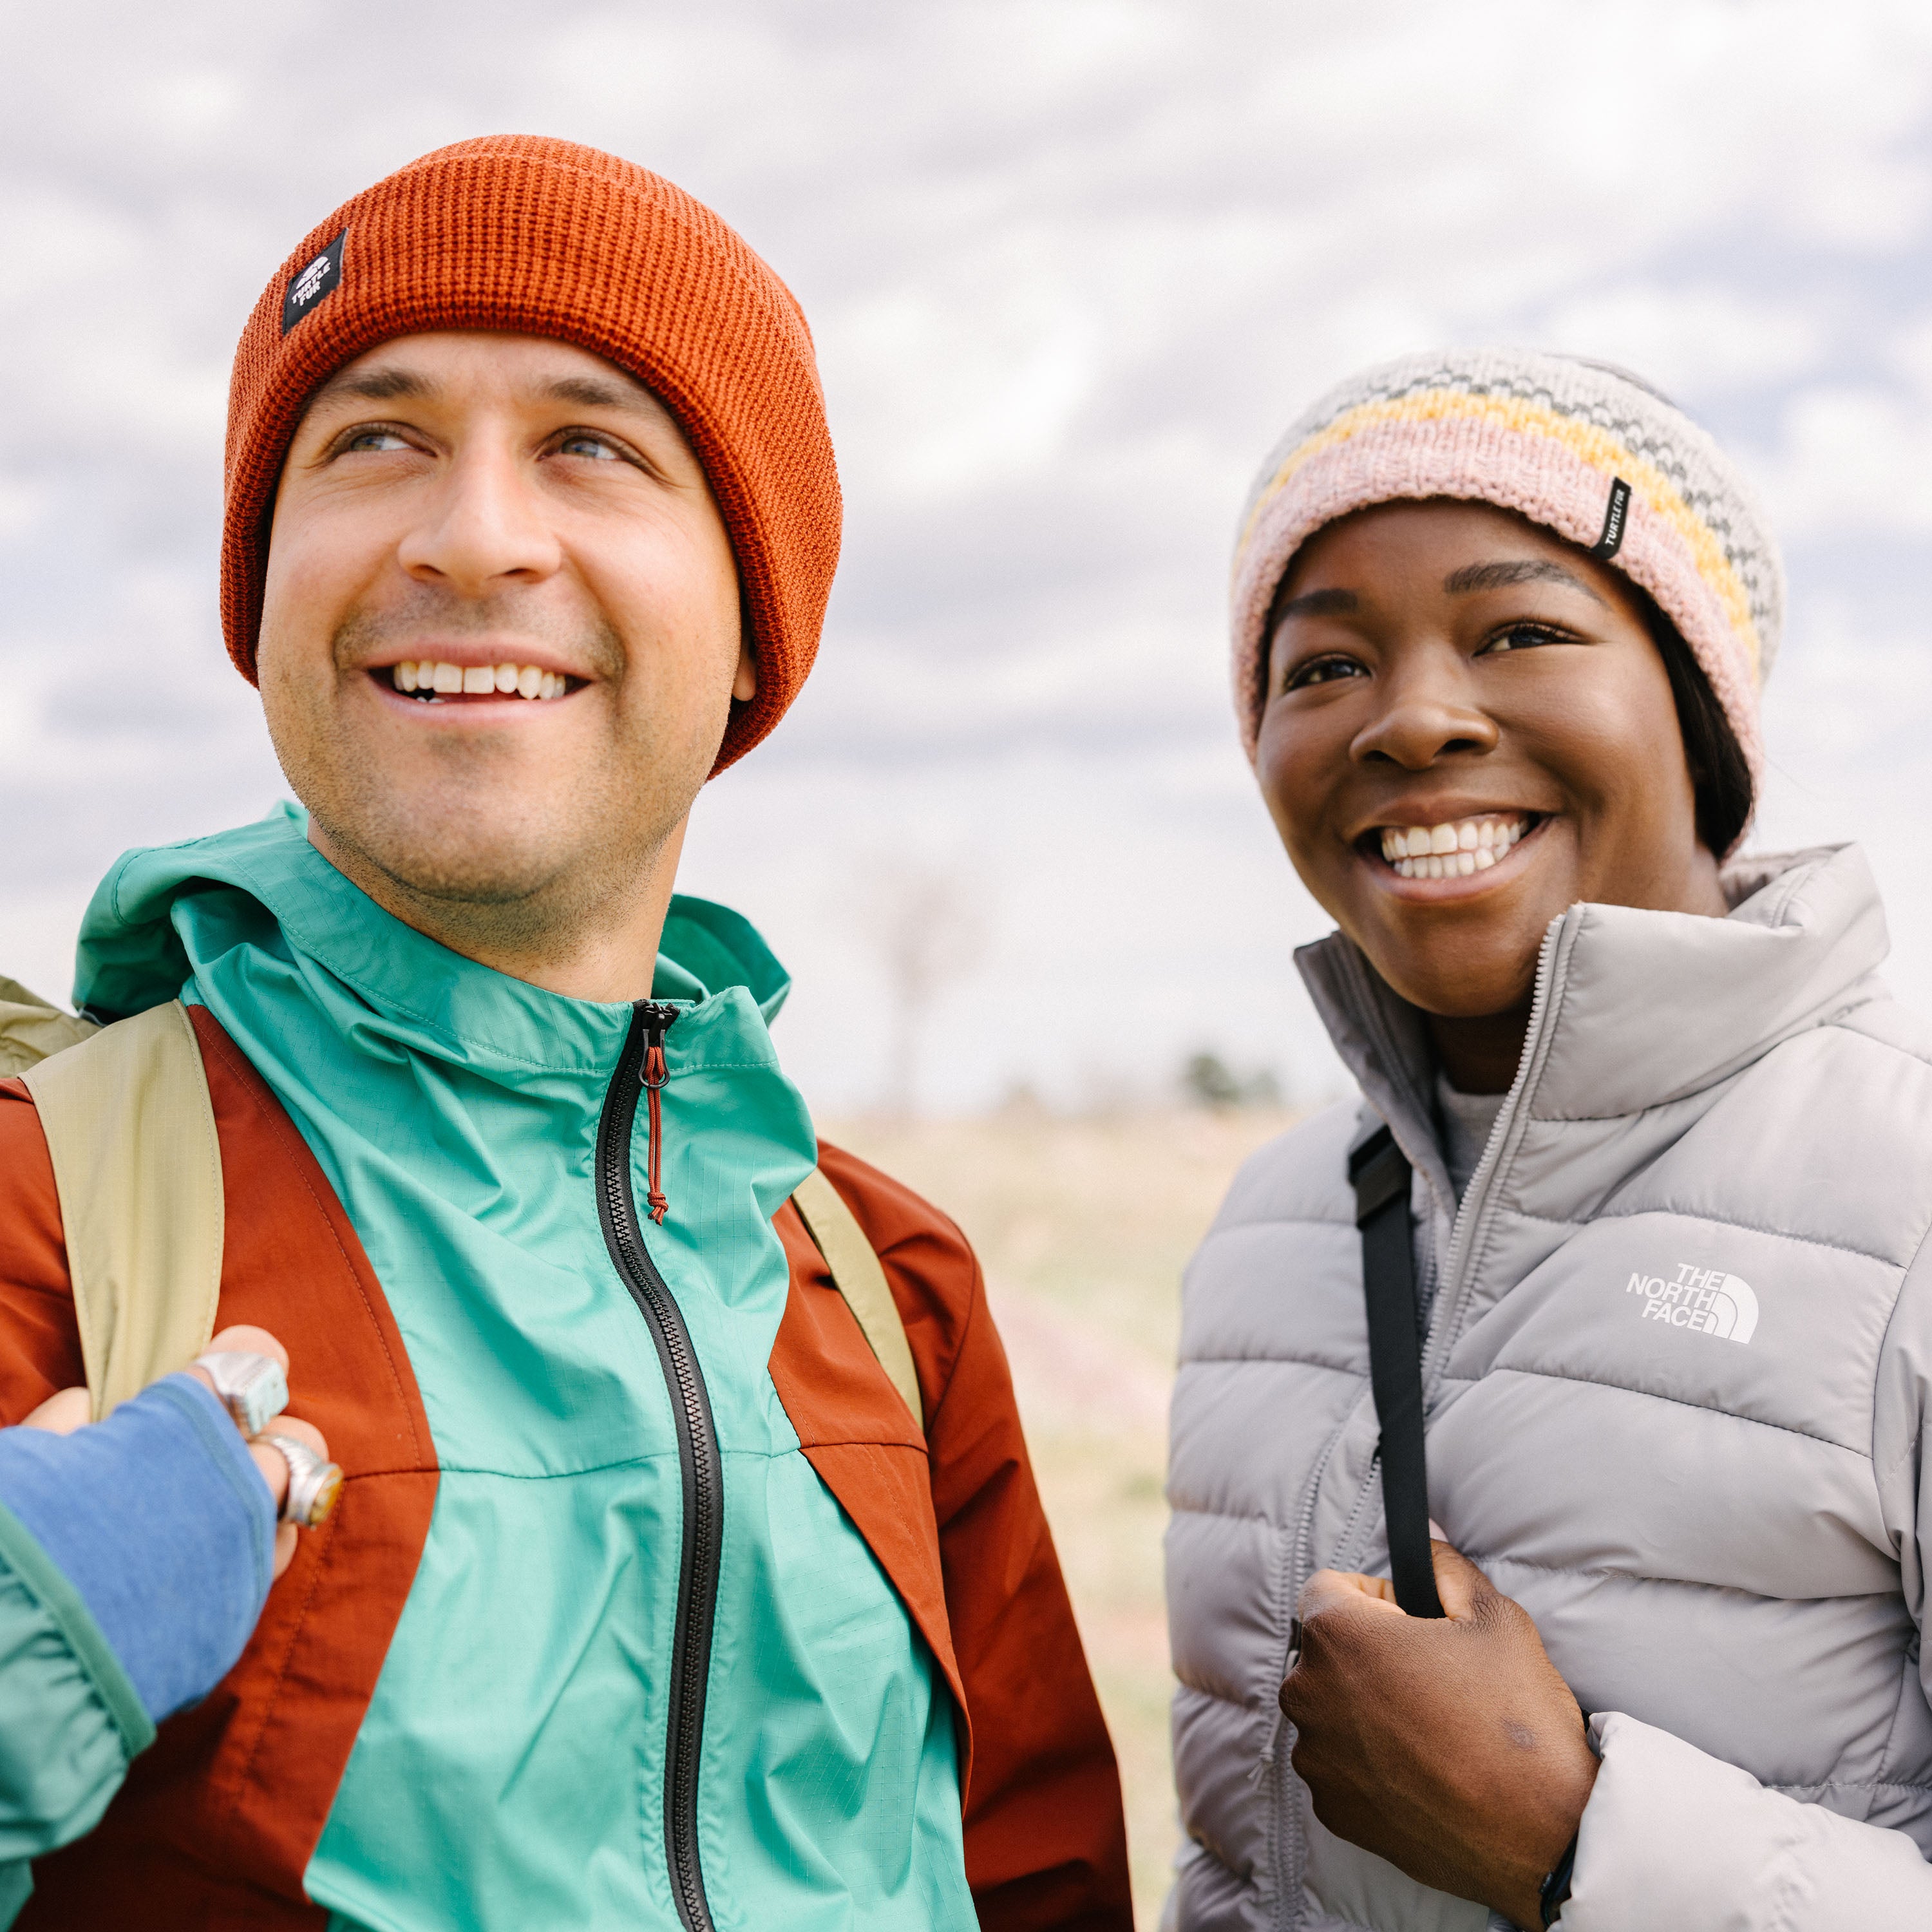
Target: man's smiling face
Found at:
501, 629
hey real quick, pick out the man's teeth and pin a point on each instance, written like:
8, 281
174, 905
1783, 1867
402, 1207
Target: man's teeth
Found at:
1454, 851
478, 680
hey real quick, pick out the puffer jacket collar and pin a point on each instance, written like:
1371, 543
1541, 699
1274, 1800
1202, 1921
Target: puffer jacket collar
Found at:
1633, 1009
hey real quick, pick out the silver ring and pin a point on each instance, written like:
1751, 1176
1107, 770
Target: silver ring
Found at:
314, 1484
252, 1388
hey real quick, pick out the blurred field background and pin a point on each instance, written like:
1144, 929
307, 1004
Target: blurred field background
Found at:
1083, 1226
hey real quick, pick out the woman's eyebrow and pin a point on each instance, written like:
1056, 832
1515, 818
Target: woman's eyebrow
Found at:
1501, 576
1318, 604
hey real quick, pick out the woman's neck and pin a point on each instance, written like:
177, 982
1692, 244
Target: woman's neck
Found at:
1479, 1055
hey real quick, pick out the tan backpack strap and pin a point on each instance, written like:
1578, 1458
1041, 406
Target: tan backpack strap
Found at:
137, 1162
31, 1029
858, 1277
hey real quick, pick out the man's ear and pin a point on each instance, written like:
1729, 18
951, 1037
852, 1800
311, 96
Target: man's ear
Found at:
744, 685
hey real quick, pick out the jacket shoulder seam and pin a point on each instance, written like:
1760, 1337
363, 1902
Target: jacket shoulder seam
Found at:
1273, 1361
1835, 1023
1678, 1401
1225, 1515
1277, 1221
1644, 1578
1714, 1221
1838, 1023
1208, 1690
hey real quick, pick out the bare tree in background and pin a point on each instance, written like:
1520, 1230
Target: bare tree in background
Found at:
929, 923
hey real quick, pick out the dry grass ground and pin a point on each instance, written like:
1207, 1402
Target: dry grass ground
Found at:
1083, 1228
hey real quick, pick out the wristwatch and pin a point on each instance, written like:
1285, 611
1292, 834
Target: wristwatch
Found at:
252, 1388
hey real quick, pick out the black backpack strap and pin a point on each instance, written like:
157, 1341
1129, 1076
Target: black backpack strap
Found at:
1380, 1175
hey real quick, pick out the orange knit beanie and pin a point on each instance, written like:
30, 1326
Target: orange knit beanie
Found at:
541, 237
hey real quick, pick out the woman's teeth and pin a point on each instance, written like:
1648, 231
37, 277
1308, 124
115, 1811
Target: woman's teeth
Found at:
1454, 851
438, 679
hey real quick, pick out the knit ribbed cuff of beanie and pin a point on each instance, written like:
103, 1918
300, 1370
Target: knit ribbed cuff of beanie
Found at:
540, 237
1552, 438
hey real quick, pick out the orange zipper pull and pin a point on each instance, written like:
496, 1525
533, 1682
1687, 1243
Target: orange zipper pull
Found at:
658, 1021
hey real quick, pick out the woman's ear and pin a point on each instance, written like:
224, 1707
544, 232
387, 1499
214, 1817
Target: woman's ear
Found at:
744, 685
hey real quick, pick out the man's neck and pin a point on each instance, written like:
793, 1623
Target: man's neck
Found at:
605, 951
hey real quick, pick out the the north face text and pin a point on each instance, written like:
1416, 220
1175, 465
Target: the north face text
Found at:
1706, 1299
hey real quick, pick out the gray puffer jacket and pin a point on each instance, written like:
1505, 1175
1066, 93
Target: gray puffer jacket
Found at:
1677, 1371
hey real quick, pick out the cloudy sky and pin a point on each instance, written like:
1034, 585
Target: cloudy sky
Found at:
1072, 264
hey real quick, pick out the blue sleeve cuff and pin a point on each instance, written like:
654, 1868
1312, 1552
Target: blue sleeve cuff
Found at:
160, 1519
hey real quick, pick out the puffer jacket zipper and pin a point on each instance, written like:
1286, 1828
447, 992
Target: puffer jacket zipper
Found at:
1444, 1312
697, 1448
1474, 1212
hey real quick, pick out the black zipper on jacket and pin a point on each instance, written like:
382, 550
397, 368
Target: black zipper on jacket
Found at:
698, 1457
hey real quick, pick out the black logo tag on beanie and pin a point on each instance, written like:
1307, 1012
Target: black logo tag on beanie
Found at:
1615, 517
308, 286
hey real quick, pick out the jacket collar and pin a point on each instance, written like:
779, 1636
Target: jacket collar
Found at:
1632, 1009
168, 913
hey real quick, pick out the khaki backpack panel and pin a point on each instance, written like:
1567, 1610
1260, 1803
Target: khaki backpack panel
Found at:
137, 1163
858, 1277
31, 1030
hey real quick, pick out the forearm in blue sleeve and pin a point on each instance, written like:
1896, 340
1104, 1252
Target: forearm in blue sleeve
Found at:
159, 1519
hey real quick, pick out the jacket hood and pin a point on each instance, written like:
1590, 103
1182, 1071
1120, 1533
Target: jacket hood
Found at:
1632, 1009
132, 953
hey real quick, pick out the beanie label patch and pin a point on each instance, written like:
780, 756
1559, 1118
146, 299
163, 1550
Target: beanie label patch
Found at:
308, 286
1615, 515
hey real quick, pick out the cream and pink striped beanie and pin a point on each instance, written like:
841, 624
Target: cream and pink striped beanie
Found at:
1585, 450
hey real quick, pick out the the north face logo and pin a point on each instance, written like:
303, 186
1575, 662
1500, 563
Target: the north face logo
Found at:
1707, 1300
308, 285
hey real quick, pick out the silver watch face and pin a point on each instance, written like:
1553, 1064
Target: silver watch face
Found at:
254, 1386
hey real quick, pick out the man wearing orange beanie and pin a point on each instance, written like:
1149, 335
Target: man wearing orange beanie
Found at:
654, 1598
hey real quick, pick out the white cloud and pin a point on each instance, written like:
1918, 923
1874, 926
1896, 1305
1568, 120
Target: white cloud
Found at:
22, 507
1852, 464
1690, 339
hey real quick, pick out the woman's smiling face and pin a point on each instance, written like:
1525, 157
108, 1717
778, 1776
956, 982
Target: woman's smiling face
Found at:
1467, 729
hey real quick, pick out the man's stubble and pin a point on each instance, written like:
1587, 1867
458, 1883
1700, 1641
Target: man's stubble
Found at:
530, 877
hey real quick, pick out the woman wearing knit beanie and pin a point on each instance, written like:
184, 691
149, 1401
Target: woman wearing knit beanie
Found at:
1547, 1446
